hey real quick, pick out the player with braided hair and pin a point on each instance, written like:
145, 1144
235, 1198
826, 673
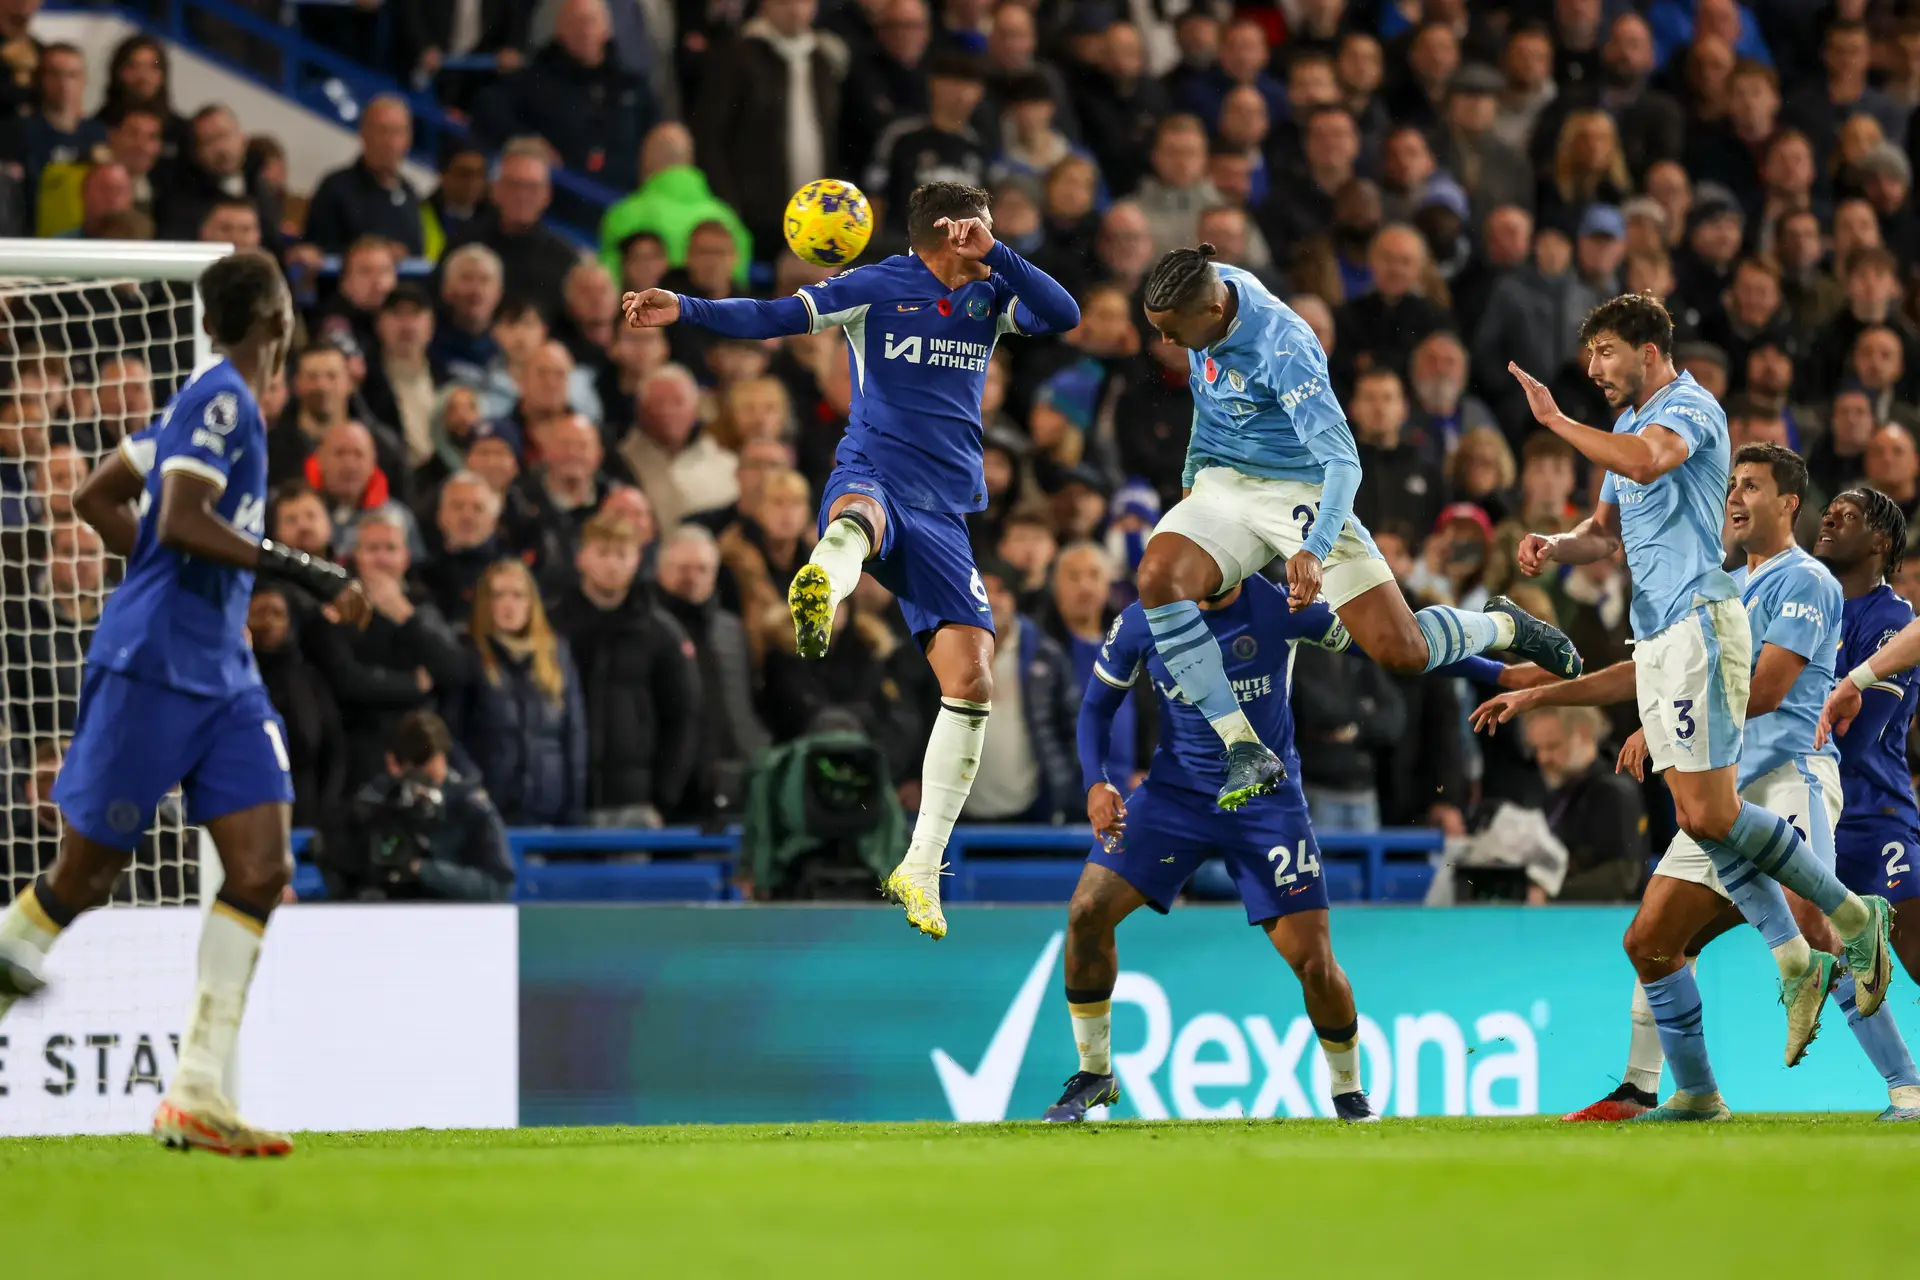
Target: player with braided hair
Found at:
1272, 470
1863, 537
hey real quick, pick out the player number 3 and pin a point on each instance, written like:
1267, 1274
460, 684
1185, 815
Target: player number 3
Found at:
1282, 857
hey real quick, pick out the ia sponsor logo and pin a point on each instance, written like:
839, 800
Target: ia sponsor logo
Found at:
1208, 1065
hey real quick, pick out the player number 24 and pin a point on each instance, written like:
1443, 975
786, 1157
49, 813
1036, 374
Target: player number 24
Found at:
1308, 863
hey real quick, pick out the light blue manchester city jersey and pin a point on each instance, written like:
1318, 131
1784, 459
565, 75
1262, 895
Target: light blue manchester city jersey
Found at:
1792, 601
1671, 526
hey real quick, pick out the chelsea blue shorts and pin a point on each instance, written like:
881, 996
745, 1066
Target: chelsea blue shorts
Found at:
132, 742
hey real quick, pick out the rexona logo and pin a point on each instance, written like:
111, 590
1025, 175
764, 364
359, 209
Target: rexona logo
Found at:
1250, 1068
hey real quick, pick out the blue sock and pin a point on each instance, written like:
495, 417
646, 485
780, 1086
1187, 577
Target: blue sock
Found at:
1675, 1000
1453, 634
1478, 670
1769, 843
1881, 1039
1193, 658
1760, 898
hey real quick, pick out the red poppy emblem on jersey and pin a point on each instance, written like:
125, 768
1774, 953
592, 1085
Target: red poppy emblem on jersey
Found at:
1211, 372
946, 306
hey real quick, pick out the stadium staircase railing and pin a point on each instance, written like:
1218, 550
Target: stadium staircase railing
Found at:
989, 864
281, 59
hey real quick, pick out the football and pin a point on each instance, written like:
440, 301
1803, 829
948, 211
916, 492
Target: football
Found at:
828, 223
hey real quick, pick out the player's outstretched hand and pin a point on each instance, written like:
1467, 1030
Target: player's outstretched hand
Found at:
1500, 708
1534, 553
1107, 812
1539, 399
651, 308
968, 237
1842, 705
1633, 756
351, 607
1303, 579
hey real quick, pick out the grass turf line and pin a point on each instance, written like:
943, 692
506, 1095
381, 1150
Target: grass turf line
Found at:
1405, 1198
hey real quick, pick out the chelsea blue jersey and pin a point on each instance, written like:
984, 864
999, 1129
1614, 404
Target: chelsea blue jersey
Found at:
1873, 771
1793, 601
919, 355
1671, 525
1256, 634
178, 621
1262, 401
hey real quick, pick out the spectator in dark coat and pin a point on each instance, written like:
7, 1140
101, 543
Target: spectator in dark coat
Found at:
467, 521
1595, 812
1382, 327
886, 81
575, 94
1399, 482
1029, 771
1345, 710
728, 729
638, 680
406, 653
755, 152
215, 170
1119, 106
316, 740
1531, 319
534, 260
371, 197
519, 713
48, 636
425, 32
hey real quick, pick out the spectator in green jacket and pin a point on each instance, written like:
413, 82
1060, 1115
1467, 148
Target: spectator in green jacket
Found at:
672, 200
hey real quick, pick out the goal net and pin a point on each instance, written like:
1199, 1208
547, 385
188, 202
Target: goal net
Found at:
95, 337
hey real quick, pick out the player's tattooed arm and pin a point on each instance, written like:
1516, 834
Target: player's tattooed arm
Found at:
109, 501
1613, 684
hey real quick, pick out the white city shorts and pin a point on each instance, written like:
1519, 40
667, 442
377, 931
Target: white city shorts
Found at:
1244, 521
1805, 791
1691, 681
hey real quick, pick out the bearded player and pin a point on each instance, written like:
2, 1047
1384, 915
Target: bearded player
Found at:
920, 329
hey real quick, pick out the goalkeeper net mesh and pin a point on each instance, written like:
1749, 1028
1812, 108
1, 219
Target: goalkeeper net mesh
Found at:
83, 361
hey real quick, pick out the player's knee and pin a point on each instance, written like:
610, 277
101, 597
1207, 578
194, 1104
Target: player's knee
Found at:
259, 880
1705, 824
1086, 917
1168, 579
1651, 955
973, 683
1314, 966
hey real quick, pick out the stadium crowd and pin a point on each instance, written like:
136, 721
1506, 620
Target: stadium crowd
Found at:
577, 537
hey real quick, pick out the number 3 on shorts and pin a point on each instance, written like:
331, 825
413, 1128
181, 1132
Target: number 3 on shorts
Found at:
1683, 718
279, 745
1305, 514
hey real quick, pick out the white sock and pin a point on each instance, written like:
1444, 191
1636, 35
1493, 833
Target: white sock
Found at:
946, 777
1233, 727
841, 551
1343, 1064
1093, 1035
24, 922
1851, 916
1645, 1058
1906, 1096
1502, 631
1793, 956
229, 949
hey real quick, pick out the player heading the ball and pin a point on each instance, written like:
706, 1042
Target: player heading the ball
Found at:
920, 329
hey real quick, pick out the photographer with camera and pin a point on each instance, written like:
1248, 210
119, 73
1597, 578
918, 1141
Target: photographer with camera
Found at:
420, 832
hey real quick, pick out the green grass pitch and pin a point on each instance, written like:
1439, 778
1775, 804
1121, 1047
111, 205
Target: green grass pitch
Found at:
1767, 1196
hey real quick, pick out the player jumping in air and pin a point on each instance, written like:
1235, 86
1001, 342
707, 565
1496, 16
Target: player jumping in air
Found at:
1151, 842
1662, 499
1272, 471
920, 329
1862, 539
1795, 607
171, 694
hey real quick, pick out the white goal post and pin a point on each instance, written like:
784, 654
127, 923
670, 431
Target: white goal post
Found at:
96, 336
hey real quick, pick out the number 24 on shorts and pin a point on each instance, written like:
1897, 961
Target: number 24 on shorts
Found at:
1308, 863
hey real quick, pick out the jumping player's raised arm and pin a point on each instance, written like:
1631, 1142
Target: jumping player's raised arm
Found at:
1040, 303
